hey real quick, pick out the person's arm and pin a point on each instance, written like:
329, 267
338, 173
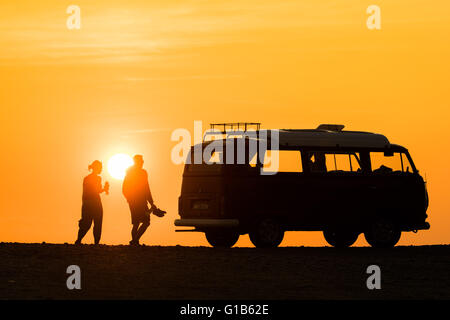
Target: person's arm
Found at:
98, 185
125, 186
106, 187
147, 190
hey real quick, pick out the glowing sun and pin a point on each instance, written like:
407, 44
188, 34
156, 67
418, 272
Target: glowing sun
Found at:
118, 164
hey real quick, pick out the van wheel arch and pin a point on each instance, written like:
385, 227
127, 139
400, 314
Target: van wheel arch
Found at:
382, 232
267, 233
221, 238
340, 238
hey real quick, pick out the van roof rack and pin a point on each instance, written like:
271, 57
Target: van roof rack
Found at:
236, 126
231, 128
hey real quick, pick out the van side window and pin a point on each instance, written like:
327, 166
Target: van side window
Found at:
282, 161
328, 161
385, 162
342, 162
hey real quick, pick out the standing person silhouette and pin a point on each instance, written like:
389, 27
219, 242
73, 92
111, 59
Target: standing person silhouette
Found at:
136, 190
92, 210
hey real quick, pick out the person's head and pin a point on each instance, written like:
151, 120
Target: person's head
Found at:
320, 157
138, 161
96, 167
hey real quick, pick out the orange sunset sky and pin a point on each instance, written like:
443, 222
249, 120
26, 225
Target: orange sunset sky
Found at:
137, 70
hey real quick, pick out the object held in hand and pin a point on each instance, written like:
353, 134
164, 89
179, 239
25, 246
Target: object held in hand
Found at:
106, 188
158, 212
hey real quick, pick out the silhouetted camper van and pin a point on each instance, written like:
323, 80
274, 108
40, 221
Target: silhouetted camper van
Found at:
343, 183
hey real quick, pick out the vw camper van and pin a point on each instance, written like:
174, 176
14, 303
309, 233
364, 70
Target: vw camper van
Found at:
342, 183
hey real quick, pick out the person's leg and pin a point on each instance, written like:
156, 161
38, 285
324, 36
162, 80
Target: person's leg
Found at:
98, 220
142, 229
134, 221
134, 232
84, 226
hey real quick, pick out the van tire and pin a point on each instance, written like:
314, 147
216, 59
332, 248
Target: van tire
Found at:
267, 234
383, 233
222, 238
340, 239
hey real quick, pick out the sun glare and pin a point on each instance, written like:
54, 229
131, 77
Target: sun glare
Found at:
118, 164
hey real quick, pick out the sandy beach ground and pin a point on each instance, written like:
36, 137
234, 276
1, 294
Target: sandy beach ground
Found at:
38, 271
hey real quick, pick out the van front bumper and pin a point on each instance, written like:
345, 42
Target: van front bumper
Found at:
425, 226
416, 227
207, 223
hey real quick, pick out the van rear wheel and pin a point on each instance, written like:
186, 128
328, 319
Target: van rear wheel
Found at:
267, 234
383, 233
340, 239
222, 238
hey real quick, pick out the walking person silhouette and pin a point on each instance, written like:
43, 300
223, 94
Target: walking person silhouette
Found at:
92, 210
136, 190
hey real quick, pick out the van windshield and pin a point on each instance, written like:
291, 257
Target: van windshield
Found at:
394, 162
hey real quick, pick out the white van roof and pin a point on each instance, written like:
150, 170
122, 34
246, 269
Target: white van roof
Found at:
326, 135
329, 138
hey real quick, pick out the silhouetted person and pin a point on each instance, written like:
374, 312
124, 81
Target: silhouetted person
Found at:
136, 190
319, 164
92, 210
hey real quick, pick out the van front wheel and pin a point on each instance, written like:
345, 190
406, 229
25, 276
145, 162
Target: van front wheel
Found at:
222, 238
340, 239
383, 233
267, 234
